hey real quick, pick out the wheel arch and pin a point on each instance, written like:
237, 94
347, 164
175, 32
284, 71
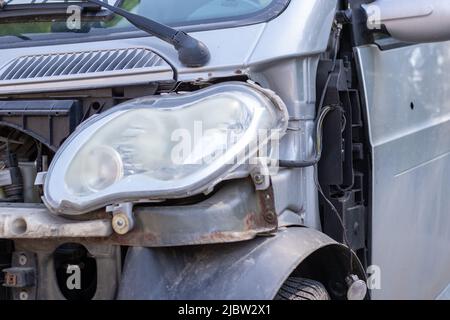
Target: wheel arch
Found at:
247, 270
317, 266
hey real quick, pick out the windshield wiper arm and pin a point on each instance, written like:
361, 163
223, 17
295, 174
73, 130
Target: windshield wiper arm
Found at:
191, 52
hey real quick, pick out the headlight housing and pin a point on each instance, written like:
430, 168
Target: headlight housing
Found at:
172, 146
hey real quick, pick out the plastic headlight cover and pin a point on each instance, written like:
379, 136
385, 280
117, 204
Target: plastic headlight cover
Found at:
173, 146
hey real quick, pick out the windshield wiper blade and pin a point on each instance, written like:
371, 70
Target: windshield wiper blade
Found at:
191, 52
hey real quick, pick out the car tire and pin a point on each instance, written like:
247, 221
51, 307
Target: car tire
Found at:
302, 289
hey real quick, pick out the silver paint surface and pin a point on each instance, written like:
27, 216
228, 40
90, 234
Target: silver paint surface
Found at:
408, 108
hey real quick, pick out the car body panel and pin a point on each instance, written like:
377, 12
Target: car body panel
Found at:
407, 98
233, 50
248, 270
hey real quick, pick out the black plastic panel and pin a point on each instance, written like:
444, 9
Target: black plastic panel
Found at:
49, 121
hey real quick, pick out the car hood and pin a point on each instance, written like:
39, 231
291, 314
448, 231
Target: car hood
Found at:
302, 29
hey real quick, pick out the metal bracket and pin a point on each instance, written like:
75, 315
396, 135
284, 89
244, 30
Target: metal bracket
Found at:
40, 179
123, 218
261, 175
242, 215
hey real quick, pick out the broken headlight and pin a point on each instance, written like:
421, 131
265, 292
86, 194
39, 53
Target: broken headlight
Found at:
172, 146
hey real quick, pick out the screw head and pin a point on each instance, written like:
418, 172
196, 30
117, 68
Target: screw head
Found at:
270, 217
23, 259
23, 295
259, 178
121, 224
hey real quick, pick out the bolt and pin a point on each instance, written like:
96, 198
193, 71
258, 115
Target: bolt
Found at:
23, 260
270, 217
23, 295
259, 178
121, 224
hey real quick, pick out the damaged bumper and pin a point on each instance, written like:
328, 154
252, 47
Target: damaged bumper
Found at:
36, 222
235, 213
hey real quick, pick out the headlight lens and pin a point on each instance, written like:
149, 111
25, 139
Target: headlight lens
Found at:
98, 169
159, 148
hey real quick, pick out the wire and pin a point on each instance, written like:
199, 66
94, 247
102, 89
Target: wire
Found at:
176, 87
316, 174
313, 163
323, 111
319, 147
318, 142
336, 213
320, 112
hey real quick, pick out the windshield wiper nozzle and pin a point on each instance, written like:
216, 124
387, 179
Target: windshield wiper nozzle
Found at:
191, 52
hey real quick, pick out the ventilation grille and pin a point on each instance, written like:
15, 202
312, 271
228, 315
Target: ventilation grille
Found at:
80, 63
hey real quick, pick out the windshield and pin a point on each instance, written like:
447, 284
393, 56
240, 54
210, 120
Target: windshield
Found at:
175, 13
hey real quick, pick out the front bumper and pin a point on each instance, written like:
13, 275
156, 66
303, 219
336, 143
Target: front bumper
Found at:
235, 213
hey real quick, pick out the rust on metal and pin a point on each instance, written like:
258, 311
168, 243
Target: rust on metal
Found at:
243, 214
267, 204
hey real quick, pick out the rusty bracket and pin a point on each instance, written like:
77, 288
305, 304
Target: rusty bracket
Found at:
236, 212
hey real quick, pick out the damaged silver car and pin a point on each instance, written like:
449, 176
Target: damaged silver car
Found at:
224, 149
